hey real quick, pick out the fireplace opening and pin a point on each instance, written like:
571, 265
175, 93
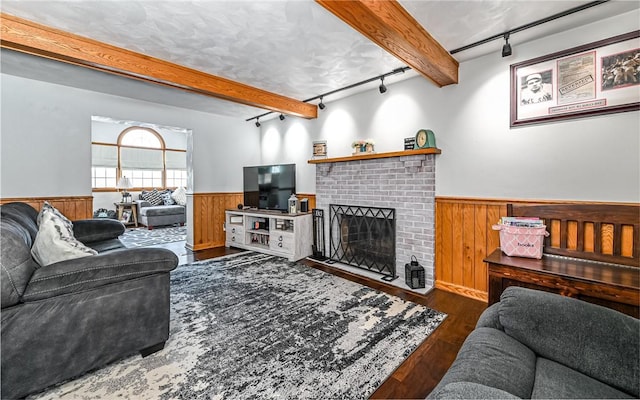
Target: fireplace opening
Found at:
364, 237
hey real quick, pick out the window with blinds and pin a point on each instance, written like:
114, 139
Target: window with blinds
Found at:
140, 155
104, 165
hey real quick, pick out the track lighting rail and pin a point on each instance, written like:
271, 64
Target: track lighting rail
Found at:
353, 85
505, 35
530, 25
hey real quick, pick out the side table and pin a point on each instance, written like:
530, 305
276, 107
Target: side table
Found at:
133, 213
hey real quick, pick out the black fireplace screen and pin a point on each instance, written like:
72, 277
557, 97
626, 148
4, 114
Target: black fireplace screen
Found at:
363, 237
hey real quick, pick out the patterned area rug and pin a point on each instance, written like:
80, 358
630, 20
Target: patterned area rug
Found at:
257, 326
141, 237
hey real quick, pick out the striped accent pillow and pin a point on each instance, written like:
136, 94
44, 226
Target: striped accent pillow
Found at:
153, 197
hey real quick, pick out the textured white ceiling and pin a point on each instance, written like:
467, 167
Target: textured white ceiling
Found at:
294, 48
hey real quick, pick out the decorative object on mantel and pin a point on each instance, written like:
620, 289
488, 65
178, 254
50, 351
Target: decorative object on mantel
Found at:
425, 138
409, 143
369, 156
320, 149
363, 146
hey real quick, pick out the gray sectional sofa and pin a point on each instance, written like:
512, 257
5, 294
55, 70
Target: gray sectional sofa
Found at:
64, 319
151, 216
534, 344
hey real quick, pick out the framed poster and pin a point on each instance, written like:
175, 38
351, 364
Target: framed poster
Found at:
597, 78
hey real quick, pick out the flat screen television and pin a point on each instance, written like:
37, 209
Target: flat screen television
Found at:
268, 187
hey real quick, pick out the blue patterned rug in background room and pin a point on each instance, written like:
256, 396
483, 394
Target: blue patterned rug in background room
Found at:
141, 237
257, 326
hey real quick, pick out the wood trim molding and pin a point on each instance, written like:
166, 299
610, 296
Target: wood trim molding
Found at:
463, 291
29, 37
72, 207
476, 200
391, 27
370, 156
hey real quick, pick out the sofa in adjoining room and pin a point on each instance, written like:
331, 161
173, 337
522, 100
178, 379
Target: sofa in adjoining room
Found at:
73, 298
157, 208
534, 344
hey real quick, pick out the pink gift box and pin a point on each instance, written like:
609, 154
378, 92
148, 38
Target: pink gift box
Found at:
521, 241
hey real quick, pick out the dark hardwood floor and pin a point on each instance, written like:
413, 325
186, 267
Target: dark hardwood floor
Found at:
416, 377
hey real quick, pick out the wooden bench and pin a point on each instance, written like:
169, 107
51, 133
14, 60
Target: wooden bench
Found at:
592, 253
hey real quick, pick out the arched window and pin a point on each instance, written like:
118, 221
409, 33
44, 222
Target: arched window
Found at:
141, 155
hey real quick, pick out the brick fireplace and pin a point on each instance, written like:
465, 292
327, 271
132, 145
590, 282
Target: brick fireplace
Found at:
405, 183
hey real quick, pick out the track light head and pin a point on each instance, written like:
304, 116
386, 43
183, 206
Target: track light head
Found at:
506, 49
321, 104
281, 117
382, 87
257, 122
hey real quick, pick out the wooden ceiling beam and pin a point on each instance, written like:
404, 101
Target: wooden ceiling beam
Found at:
391, 27
32, 38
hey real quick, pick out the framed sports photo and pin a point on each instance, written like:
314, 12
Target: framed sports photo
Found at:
597, 78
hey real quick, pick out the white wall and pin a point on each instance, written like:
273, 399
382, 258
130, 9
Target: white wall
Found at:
595, 159
46, 139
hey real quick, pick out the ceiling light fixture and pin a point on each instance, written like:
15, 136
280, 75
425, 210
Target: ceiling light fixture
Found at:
281, 117
322, 106
258, 122
506, 49
382, 88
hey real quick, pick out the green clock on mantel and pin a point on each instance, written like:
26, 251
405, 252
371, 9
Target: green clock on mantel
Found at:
425, 138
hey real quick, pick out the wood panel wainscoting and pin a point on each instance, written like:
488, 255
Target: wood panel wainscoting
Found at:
464, 237
209, 217
72, 207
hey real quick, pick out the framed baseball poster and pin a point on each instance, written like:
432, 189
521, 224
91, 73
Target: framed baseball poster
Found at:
597, 78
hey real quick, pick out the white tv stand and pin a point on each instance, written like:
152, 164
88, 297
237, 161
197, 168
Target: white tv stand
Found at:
275, 233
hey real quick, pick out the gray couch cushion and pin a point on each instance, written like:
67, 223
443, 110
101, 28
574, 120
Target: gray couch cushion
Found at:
158, 211
594, 340
469, 390
82, 274
24, 215
555, 381
490, 318
16, 264
89, 231
492, 358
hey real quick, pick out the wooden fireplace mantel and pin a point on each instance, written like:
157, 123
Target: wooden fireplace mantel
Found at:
369, 156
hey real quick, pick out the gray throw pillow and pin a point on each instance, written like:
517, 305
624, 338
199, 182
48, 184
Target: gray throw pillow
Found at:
167, 199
